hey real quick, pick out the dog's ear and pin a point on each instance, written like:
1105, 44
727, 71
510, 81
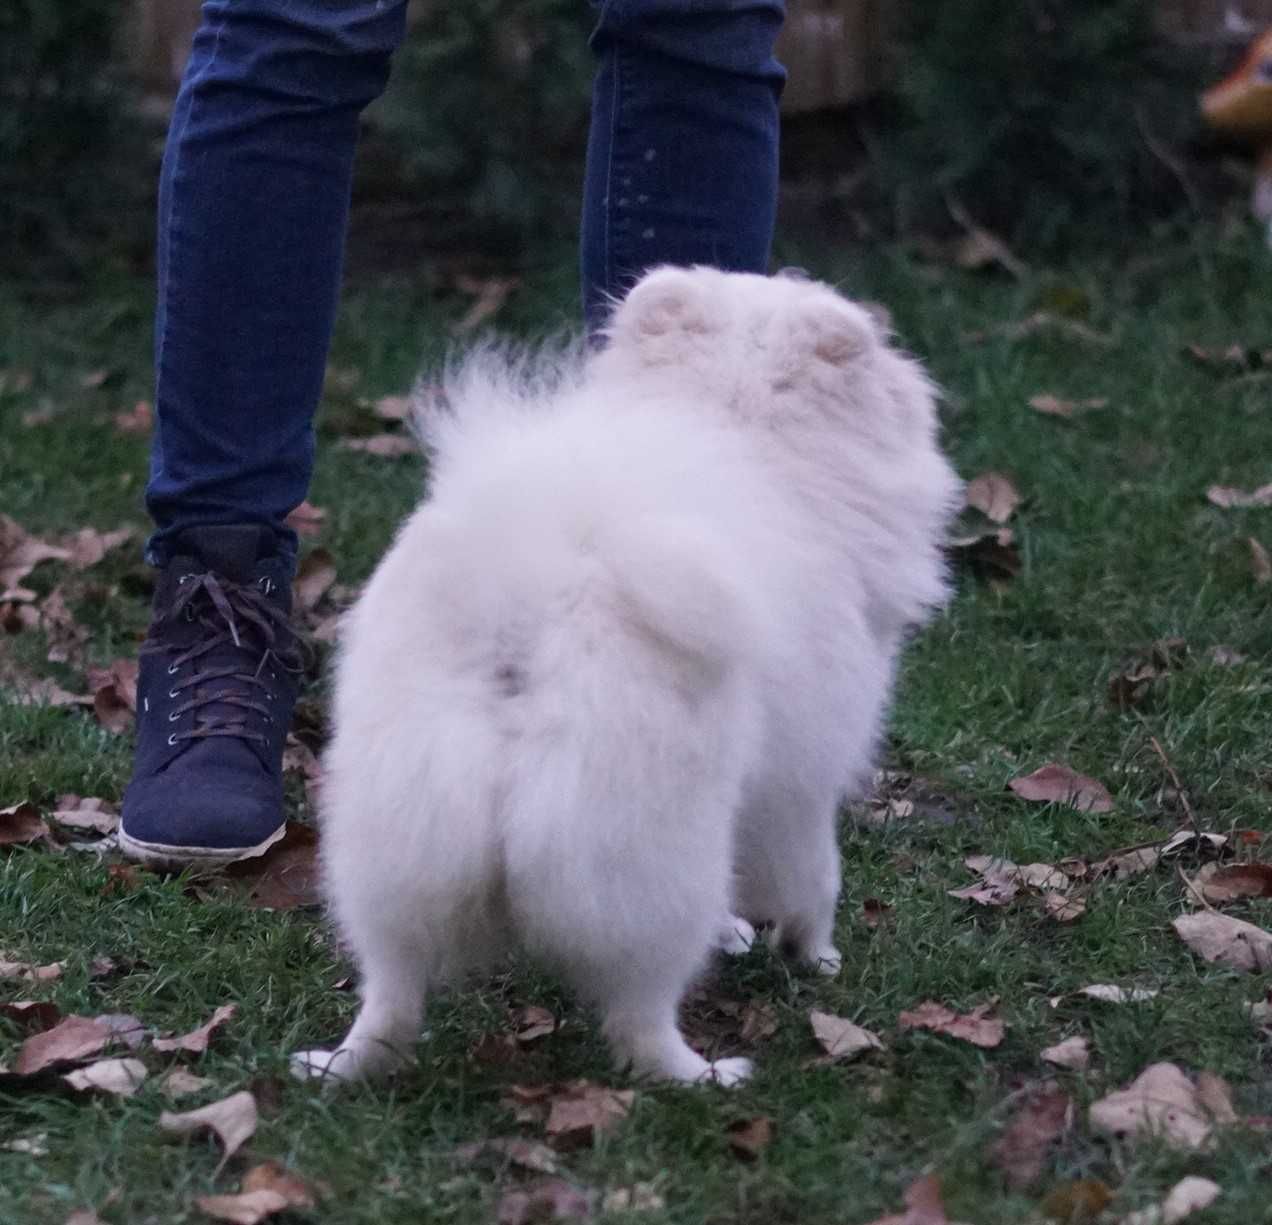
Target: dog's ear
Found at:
666, 304
829, 329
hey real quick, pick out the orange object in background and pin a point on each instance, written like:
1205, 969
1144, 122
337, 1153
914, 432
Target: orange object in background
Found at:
1241, 106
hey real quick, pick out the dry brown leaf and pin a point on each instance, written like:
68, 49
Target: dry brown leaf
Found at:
991, 556
287, 875
874, 911
840, 1038
759, 1021
115, 694
532, 1023
392, 408
40, 691
979, 249
94, 379
120, 1077
1053, 406
87, 546
1190, 1195
20, 823
748, 1138
86, 812
232, 1119
977, 1027
20, 553
1041, 1119
527, 1154
245, 1208
140, 419
31, 1014
1220, 883
28, 971
489, 295
383, 446
1077, 1203
306, 519
923, 1205
1073, 1053
1229, 360
550, 1200
1225, 657
1160, 1101
1123, 864
65, 636
124, 1029
1229, 497
197, 1039
83, 1216
1063, 909
1228, 941
1058, 784
639, 1197
1260, 562
584, 1111
71, 1040
994, 494
179, 1083
315, 574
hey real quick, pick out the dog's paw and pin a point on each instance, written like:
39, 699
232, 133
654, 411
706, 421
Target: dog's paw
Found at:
729, 1072
735, 936
828, 961
318, 1066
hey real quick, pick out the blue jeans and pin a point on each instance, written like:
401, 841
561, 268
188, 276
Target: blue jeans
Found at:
254, 201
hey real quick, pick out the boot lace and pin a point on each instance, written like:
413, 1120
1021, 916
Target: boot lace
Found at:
228, 614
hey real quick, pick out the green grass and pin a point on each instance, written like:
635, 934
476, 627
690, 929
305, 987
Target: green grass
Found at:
1119, 548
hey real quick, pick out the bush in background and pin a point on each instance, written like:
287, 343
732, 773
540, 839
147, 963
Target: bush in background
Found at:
488, 108
1042, 118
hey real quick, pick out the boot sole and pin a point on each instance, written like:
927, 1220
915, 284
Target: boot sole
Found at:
161, 855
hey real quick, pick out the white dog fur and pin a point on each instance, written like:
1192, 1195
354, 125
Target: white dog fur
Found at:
611, 682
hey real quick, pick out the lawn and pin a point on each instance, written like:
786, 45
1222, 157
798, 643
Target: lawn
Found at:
1117, 547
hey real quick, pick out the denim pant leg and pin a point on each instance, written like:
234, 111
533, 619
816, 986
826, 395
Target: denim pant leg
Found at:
253, 205
682, 157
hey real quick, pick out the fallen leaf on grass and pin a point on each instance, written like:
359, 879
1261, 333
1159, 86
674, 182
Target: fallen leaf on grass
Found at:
977, 1027
65, 636
489, 295
1063, 909
875, 912
1059, 784
840, 1038
994, 495
1228, 941
122, 878
1229, 497
923, 1205
1233, 359
1077, 1203
72, 1039
124, 1029
1225, 657
1042, 1118
528, 1154
306, 519
383, 446
316, 573
232, 1120
1108, 993
31, 1014
550, 1200
1260, 562
40, 691
139, 419
120, 1077
748, 1138
197, 1039
115, 694
179, 1083
532, 1023
20, 823
87, 547
1073, 1053
991, 556
267, 1189
20, 553
1161, 1101
87, 813
29, 971
639, 1197
759, 1021
287, 875
1190, 1195
1220, 883
584, 1111
1053, 406
392, 408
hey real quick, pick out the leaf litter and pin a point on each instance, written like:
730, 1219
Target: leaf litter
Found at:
840, 1038
196, 1041
1055, 783
266, 1190
979, 1027
1044, 1115
1164, 1102
232, 1120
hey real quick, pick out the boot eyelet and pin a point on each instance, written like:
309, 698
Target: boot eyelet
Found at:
172, 740
266, 584
172, 693
172, 718
172, 669
189, 612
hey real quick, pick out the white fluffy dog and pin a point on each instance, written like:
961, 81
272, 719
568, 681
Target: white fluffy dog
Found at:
611, 682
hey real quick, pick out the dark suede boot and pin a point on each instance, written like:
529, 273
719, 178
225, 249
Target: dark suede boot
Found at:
219, 673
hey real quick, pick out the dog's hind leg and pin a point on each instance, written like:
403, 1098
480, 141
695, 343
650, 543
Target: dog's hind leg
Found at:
387, 1025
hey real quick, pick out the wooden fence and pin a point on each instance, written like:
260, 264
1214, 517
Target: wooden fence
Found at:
836, 50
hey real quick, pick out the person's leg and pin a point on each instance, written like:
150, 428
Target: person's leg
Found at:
253, 206
682, 157
254, 199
